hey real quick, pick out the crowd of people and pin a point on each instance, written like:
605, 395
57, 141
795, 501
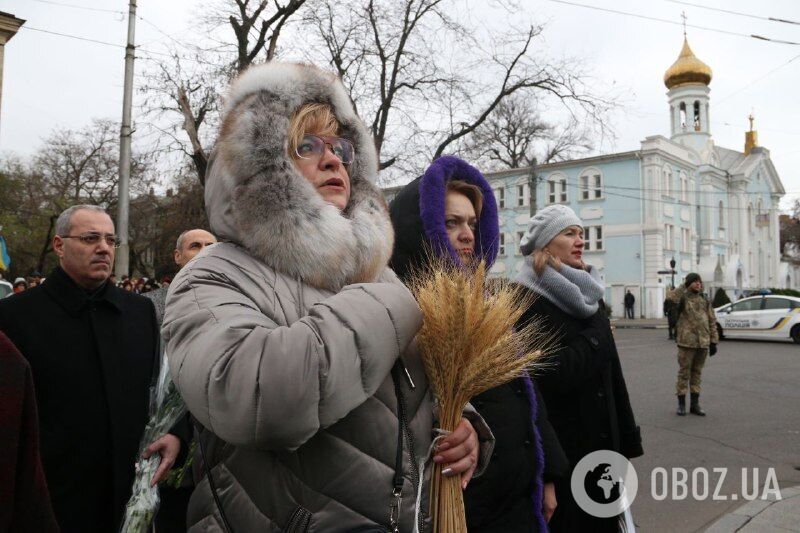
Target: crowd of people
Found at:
291, 342
138, 285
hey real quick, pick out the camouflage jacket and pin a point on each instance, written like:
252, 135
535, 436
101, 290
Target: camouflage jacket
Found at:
697, 324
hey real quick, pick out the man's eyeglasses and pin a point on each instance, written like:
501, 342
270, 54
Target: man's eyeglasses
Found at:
93, 238
314, 146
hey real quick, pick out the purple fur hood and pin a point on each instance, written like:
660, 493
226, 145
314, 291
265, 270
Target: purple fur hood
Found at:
418, 216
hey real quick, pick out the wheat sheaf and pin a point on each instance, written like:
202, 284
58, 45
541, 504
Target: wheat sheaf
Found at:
469, 345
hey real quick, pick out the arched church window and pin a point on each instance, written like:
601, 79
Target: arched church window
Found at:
696, 116
683, 115
721, 215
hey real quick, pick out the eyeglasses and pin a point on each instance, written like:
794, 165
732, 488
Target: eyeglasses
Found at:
92, 238
314, 146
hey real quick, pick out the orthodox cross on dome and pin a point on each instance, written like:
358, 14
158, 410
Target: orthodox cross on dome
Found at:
751, 118
683, 16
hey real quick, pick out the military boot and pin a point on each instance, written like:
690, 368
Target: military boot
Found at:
695, 407
681, 406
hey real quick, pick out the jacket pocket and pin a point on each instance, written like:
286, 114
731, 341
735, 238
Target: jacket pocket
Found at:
300, 520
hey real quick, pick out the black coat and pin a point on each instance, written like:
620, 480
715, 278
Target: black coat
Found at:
500, 499
587, 401
629, 299
92, 359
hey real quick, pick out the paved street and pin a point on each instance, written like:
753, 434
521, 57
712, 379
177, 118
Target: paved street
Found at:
751, 392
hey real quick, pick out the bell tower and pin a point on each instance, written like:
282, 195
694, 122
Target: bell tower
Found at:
687, 80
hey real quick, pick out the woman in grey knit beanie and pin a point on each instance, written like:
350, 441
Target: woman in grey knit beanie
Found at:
583, 387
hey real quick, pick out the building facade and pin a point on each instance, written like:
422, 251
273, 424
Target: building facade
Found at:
711, 210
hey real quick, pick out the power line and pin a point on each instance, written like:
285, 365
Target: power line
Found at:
159, 30
112, 11
734, 93
77, 37
99, 9
730, 12
115, 45
667, 21
667, 201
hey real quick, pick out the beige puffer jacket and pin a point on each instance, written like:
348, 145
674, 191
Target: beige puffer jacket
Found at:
281, 340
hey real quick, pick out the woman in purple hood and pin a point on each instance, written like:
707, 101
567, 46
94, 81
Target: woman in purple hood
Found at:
451, 209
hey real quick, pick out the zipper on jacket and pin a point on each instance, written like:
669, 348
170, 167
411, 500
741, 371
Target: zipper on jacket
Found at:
409, 439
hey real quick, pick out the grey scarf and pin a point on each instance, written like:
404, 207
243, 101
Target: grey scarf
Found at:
576, 292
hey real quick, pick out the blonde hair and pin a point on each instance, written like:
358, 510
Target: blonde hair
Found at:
313, 118
542, 258
472, 192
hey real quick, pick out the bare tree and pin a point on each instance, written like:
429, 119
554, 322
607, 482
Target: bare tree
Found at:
71, 167
192, 93
790, 232
417, 96
172, 91
515, 135
251, 16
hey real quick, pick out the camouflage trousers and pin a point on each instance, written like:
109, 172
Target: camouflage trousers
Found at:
690, 368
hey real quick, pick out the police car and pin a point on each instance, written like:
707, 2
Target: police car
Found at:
760, 317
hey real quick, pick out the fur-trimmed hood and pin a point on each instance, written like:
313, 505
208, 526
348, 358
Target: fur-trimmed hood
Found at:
418, 217
256, 197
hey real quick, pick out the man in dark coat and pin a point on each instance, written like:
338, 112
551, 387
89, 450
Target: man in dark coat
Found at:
24, 501
171, 515
629, 300
93, 350
670, 311
190, 243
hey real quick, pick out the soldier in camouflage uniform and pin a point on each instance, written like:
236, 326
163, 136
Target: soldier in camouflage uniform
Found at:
697, 338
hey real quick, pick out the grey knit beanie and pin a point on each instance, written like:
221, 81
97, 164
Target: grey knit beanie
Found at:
545, 225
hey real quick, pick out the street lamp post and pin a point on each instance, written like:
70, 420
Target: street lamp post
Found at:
672, 268
533, 181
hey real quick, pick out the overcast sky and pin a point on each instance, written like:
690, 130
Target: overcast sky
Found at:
52, 80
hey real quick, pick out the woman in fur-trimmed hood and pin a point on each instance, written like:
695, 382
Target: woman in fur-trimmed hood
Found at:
290, 340
451, 211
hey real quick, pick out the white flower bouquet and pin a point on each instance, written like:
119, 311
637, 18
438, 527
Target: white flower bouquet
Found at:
166, 407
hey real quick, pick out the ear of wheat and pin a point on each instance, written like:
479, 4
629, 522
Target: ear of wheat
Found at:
469, 345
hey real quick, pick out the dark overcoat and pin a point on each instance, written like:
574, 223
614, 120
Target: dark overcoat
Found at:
587, 401
507, 497
92, 358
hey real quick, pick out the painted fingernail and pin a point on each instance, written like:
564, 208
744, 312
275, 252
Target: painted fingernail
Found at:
438, 458
463, 485
447, 472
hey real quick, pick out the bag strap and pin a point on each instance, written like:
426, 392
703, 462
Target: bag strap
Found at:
207, 467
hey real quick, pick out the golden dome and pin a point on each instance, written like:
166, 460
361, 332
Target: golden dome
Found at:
687, 69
